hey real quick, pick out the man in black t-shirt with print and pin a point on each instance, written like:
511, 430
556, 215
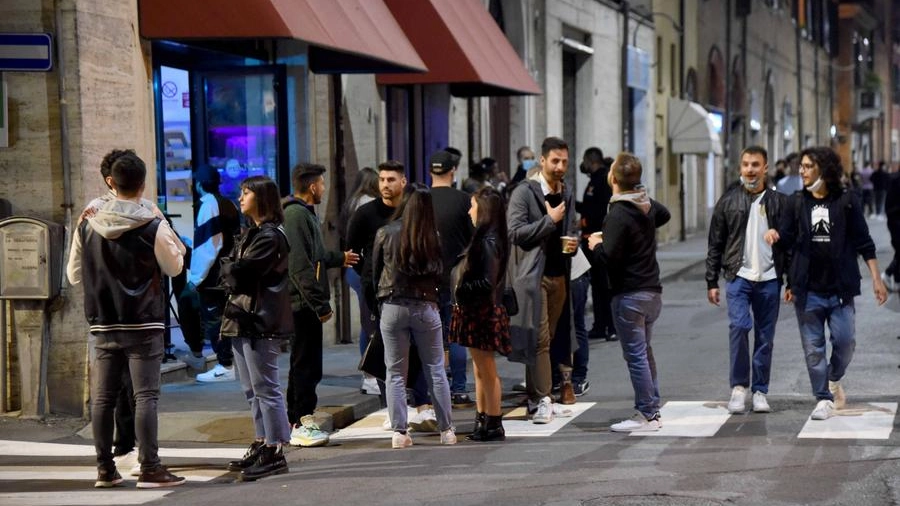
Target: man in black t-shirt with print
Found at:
451, 211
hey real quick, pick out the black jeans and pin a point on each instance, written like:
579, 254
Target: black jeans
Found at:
142, 352
124, 440
603, 321
212, 304
306, 365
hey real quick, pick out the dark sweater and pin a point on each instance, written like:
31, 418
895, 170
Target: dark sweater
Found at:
629, 246
364, 224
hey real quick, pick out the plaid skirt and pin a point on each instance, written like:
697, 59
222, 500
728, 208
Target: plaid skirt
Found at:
481, 326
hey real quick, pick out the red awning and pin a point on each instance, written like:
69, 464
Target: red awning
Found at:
462, 46
344, 35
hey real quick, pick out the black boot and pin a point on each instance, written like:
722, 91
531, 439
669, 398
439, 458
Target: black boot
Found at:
479, 427
493, 429
248, 459
270, 461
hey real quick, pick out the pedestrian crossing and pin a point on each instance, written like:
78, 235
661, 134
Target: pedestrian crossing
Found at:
692, 419
197, 465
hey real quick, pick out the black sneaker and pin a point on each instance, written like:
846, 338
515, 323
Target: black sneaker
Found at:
270, 461
460, 398
107, 477
159, 478
248, 459
580, 387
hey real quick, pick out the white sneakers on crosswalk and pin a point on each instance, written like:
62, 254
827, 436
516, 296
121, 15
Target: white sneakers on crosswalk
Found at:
824, 410
738, 401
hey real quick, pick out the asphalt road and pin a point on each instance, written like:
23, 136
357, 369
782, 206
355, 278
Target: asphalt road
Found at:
749, 459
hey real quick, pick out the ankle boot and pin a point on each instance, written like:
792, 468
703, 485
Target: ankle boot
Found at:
479, 427
493, 429
270, 461
249, 457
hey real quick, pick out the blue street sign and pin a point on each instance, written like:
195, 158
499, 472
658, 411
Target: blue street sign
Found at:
26, 52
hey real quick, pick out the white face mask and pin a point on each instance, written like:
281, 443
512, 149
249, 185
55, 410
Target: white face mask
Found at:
815, 186
750, 185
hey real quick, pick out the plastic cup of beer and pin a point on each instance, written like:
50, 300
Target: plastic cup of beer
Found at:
569, 243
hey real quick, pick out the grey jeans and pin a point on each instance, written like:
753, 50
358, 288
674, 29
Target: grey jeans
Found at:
403, 320
256, 364
142, 352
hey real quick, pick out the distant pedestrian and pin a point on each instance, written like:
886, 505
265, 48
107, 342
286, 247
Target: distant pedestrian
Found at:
121, 253
753, 271
406, 259
525, 160
825, 229
217, 224
308, 263
628, 248
451, 212
257, 319
594, 206
791, 182
480, 321
879, 189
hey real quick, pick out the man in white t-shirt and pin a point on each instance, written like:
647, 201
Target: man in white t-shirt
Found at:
753, 272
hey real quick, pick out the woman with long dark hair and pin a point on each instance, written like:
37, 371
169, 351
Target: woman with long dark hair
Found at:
258, 317
407, 271
479, 318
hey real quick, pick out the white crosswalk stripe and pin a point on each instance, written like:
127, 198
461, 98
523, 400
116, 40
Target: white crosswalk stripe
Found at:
855, 421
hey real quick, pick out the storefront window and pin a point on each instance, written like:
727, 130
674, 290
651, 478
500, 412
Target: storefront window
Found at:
174, 89
241, 132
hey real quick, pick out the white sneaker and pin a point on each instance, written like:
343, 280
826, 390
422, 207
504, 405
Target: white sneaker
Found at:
370, 385
424, 421
637, 423
760, 404
837, 391
308, 434
401, 440
824, 410
738, 401
448, 437
544, 413
129, 460
216, 374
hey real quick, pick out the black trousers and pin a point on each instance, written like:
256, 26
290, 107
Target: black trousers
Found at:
124, 439
603, 322
306, 365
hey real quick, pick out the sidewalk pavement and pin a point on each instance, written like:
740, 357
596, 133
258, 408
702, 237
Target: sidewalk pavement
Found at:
218, 413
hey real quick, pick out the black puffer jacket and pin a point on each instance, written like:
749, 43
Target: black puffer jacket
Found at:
393, 281
728, 231
255, 276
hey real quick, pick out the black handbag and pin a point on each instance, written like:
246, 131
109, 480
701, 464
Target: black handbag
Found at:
510, 301
372, 361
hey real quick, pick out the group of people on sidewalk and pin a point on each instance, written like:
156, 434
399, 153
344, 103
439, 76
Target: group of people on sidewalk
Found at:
438, 269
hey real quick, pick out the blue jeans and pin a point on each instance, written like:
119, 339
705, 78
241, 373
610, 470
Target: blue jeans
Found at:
366, 321
403, 320
634, 314
762, 298
458, 356
820, 309
578, 290
256, 364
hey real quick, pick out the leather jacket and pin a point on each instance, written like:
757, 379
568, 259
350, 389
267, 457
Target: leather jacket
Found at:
727, 232
481, 275
392, 281
255, 277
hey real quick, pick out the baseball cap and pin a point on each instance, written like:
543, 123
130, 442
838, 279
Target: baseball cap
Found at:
443, 162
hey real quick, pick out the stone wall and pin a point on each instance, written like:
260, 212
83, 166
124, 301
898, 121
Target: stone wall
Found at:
108, 104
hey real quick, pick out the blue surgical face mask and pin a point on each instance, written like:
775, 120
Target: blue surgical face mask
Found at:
528, 164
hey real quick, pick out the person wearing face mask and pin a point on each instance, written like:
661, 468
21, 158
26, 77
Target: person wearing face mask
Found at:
825, 229
593, 210
753, 271
525, 157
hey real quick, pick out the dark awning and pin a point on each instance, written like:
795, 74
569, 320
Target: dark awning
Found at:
347, 36
462, 46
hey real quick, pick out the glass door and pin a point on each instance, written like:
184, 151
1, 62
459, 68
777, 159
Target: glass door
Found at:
240, 131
